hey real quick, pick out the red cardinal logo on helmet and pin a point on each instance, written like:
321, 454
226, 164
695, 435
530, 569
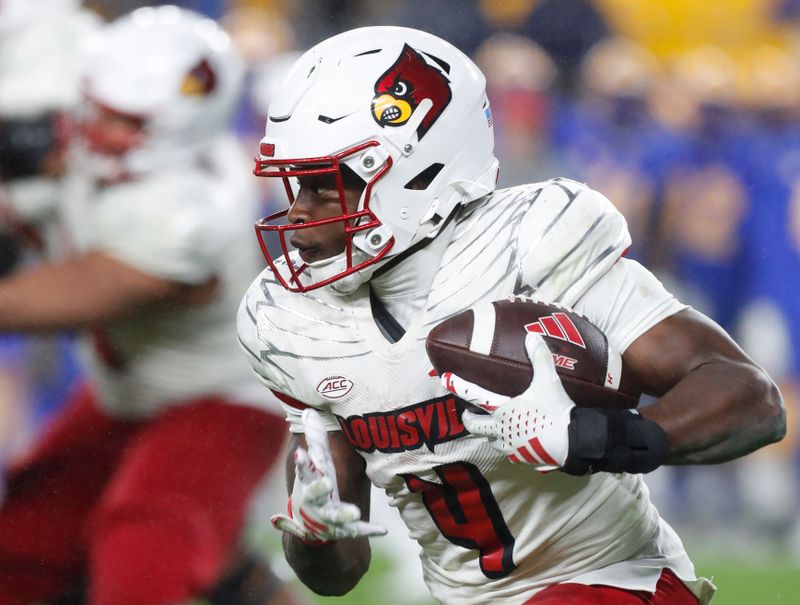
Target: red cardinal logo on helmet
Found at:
400, 90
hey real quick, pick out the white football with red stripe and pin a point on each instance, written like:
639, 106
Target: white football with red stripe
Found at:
486, 345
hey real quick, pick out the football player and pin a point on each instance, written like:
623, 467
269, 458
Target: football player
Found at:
140, 486
383, 139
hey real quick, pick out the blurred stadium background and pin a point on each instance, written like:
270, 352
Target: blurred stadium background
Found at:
686, 114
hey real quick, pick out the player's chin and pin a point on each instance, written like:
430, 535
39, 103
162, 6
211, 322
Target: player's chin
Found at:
309, 254
315, 254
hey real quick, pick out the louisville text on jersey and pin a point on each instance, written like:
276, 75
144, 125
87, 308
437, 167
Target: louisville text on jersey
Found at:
409, 428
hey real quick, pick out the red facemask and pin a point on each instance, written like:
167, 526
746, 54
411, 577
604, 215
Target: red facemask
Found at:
354, 222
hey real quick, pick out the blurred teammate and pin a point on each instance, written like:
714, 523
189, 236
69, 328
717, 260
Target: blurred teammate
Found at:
384, 140
39, 73
140, 486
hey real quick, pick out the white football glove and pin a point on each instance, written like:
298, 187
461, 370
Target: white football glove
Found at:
530, 428
316, 515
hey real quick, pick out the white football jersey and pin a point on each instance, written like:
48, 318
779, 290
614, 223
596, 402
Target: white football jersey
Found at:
190, 224
490, 531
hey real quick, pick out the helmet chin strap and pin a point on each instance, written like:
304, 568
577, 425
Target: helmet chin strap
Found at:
350, 283
324, 269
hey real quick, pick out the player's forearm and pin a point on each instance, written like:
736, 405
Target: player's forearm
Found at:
28, 305
331, 569
718, 412
83, 292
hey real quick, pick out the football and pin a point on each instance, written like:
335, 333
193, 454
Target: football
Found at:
486, 345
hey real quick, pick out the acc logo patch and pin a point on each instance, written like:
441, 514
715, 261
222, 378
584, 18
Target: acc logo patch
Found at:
334, 387
399, 91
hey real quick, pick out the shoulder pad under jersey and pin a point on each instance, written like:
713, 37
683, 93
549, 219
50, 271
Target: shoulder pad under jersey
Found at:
569, 237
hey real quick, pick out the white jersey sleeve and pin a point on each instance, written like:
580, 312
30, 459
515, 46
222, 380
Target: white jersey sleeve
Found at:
156, 227
258, 351
570, 236
247, 330
627, 301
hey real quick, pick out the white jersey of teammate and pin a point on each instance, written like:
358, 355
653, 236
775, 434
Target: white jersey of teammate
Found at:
490, 531
189, 225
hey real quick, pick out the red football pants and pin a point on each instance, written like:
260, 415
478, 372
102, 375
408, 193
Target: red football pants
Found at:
669, 591
148, 511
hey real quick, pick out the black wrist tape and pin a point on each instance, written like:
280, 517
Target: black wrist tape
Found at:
613, 441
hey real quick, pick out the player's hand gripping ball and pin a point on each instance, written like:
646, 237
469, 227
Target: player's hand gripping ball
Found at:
485, 345
530, 428
528, 364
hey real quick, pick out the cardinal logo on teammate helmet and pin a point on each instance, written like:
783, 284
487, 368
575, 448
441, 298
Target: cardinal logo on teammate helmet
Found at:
400, 90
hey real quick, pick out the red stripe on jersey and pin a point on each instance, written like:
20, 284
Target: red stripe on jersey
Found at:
541, 452
290, 401
571, 331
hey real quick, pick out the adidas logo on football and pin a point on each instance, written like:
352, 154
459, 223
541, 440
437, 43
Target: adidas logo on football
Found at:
334, 387
557, 325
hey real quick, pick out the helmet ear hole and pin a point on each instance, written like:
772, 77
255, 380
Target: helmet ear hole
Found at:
423, 180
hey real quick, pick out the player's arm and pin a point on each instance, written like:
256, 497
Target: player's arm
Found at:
332, 568
90, 290
715, 403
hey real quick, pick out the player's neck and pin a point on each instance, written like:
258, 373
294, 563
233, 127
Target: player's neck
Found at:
404, 288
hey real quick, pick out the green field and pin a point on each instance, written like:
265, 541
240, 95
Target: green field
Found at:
771, 580
376, 587
768, 581
748, 568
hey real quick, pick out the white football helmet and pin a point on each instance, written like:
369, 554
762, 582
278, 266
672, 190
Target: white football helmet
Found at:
174, 69
40, 71
40, 62
21, 14
395, 105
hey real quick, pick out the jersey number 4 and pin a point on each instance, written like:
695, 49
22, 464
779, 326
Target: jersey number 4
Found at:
465, 511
